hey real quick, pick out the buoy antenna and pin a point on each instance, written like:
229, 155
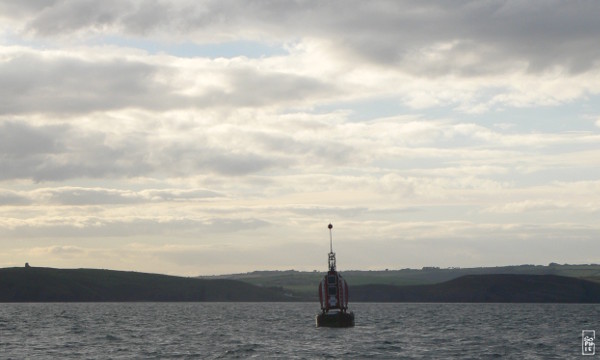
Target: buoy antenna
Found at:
330, 238
331, 253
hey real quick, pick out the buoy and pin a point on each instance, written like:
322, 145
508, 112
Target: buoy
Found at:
333, 295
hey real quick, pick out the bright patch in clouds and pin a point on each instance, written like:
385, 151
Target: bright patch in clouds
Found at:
187, 138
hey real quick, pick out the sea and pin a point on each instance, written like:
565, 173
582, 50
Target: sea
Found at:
288, 331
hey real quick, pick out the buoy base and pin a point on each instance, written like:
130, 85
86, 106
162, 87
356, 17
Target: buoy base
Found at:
335, 319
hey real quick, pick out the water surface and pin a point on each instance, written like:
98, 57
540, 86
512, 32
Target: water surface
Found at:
287, 331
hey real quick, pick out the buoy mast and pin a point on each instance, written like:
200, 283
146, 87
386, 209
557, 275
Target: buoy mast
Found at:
331, 253
333, 295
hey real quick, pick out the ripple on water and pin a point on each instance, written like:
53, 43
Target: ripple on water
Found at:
267, 331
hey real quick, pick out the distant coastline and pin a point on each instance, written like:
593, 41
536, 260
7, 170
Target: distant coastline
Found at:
302, 283
494, 288
35, 284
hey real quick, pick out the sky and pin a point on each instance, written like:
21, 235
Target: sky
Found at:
212, 137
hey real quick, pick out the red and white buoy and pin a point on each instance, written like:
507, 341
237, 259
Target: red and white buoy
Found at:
333, 295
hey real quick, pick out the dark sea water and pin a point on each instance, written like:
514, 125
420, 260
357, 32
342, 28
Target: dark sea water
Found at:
287, 331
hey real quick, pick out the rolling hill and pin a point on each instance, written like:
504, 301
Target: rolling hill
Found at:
93, 285
304, 283
35, 284
499, 288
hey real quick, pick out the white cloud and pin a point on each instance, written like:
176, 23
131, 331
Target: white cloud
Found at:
473, 59
417, 128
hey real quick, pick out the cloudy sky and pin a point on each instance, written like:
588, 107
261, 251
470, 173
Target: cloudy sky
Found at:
207, 137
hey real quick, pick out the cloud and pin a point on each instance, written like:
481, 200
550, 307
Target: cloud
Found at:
475, 68
81, 196
42, 82
64, 251
472, 35
20, 140
172, 145
451, 130
69, 151
105, 79
8, 197
528, 206
62, 152
102, 226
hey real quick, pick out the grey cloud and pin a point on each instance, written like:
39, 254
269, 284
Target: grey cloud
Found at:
238, 164
52, 153
249, 87
19, 140
66, 251
85, 227
316, 151
8, 197
33, 83
26, 8
253, 88
327, 211
541, 33
85, 196
179, 194
24, 149
66, 17
179, 159
100, 196
92, 160
495, 34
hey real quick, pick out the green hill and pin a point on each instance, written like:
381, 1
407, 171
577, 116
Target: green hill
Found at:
304, 284
500, 288
82, 285
63, 285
